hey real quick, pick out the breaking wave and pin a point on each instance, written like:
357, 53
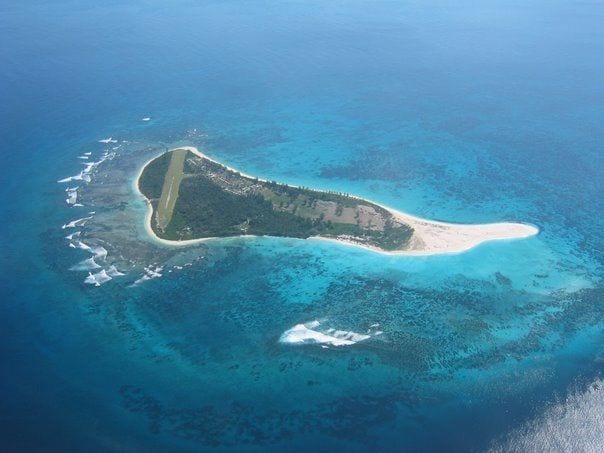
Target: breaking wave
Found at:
72, 195
103, 276
310, 332
77, 222
96, 250
73, 235
150, 273
99, 252
86, 265
97, 279
86, 174
113, 272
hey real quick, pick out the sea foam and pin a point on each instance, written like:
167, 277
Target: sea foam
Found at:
77, 222
113, 272
72, 235
97, 279
99, 252
311, 333
72, 195
86, 174
82, 176
86, 265
149, 274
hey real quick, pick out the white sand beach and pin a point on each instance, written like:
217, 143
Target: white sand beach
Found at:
429, 238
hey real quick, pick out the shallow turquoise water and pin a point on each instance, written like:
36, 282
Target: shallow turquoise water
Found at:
472, 114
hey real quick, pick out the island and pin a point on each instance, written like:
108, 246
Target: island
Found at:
192, 197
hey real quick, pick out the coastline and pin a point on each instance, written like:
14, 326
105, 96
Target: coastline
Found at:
430, 237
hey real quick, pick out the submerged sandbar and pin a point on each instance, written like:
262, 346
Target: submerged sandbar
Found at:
192, 198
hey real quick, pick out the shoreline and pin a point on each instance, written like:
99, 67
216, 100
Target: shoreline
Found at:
430, 237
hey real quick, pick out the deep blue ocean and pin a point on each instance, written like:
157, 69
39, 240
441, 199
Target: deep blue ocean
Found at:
457, 111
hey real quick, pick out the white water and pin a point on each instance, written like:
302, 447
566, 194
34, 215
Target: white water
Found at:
72, 195
99, 252
77, 222
309, 333
85, 175
82, 176
72, 235
97, 279
86, 265
113, 272
149, 274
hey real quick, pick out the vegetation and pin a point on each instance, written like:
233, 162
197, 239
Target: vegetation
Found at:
214, 201
151, 180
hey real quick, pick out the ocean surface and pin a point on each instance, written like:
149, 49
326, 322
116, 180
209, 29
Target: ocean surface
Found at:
456, 111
